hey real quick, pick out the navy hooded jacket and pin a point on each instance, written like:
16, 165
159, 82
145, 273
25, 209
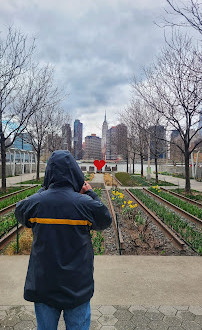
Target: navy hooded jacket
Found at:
60, 271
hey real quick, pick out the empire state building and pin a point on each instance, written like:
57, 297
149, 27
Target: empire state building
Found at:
104, 137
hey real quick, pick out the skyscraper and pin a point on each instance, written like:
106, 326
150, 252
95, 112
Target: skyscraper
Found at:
104, 137
111, 145
78, 131
93, 147
67, 137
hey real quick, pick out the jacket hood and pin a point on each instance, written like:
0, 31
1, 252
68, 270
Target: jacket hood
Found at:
63, 170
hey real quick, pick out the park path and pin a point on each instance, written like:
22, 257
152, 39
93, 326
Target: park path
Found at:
196, 185
20, 178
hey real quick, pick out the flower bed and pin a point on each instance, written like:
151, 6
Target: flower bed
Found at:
195, 195
141, 236
188, 231
16, 198
131, 180
192, 209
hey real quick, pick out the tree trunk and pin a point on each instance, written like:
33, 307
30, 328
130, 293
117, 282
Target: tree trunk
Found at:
133, 165
156, 169
142, 171
127, 164
187, 176
3, 163
38, 164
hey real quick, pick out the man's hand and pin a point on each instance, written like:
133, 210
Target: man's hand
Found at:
85, 187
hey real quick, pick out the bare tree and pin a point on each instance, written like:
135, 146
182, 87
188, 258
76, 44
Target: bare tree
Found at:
17, 92
189, 11
173, 87
42, 121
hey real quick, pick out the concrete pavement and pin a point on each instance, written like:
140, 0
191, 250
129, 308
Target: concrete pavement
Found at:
131, 292
196, 185
120, 280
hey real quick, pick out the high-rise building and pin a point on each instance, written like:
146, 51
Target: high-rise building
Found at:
176, 154
104, 137
157, 141
111, 145
78, 131
67, 137
93, 147
121, 132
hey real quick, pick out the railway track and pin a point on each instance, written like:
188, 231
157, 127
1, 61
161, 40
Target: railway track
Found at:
10, 235
16, 192
182, 197
179, 242
175, 208
119, 237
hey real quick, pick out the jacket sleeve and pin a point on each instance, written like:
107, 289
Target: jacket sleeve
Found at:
25, 210
100, 215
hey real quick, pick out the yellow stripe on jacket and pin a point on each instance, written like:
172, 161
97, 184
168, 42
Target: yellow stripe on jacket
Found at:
61, 221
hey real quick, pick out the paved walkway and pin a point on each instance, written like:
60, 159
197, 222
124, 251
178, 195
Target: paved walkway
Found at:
21, 178
131, 292
181, 182
98, 178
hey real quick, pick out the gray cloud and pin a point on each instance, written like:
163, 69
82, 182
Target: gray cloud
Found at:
96, 48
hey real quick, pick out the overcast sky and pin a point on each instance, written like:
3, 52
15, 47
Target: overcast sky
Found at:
96, 47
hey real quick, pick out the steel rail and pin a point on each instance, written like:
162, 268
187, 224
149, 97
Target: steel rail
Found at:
182, 197
10, 235
7, 209
169, 232
175, 208
16, 192
117, 230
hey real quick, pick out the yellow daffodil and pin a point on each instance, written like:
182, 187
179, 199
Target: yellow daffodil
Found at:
124, 202
123, 206
129, 202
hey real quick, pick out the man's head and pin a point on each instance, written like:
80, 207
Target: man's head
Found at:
63, 170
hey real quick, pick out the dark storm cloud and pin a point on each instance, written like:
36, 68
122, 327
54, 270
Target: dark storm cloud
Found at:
95, 46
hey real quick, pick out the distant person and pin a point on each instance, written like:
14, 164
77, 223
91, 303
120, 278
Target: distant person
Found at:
60, 272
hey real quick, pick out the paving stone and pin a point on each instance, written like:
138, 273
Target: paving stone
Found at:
198, 319
125, 325
10, 320
95, 314
186, 315
140, 320
25, 325
137, 313
158, 325
35, 321
30, 308
142, 327
108, 327
152, 307
122, 306
4, 308
172, 320
27, 316
15, 310
154, 315
61, 324
197, 310
6, 328
191, 325
95, 325
175, 328
181, 307
140, 308
2, 314
168, 310
107, 320
107, 310
123, 314
94, 307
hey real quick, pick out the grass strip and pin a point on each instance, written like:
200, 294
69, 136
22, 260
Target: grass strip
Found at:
7, 223
16, 198
190, 234
132, 180
186, 206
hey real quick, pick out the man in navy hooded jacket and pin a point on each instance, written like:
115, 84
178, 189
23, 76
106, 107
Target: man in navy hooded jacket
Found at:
60, 272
